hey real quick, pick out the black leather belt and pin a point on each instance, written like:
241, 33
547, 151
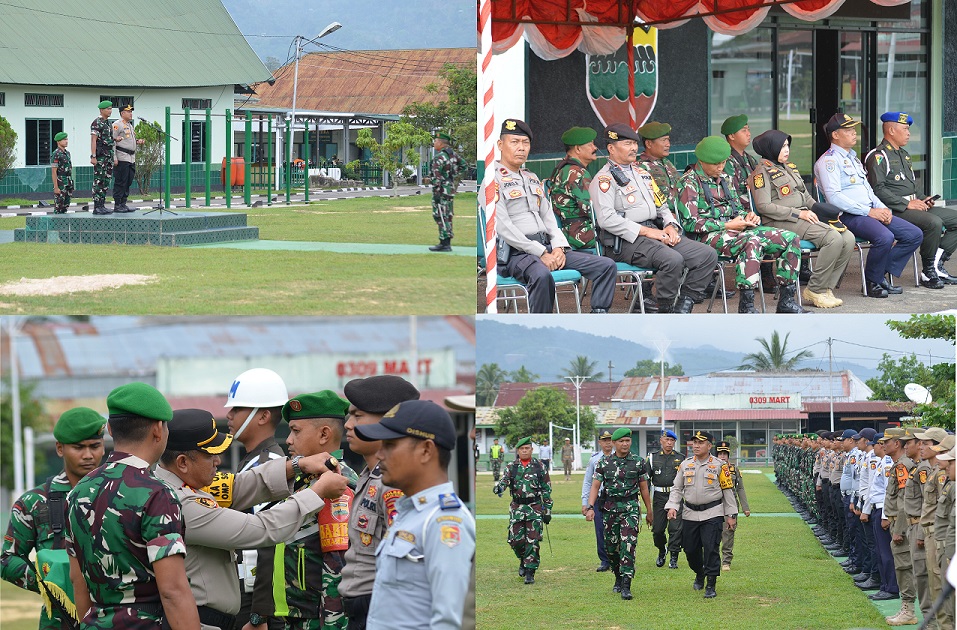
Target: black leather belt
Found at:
528, 501
629, 497
127, 151
212, 617
701, 507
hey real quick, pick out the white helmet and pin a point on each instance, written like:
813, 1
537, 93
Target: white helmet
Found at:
258, 387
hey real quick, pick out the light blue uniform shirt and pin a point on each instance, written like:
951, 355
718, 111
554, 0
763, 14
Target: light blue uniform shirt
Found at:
424, 563
849, 472
843, 180
590, 476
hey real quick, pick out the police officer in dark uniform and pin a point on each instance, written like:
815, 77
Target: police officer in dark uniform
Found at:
891, 175
661, 468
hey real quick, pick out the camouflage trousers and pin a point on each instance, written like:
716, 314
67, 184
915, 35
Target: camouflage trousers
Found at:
333, 611
102, 172
752, 246
296, 623
442, 215
621, 537
525, 536
61, 201
496, 468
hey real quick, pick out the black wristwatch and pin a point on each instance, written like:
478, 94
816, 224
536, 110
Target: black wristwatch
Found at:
590, 507
256, 619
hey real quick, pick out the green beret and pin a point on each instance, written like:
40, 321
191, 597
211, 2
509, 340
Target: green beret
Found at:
579, 135
734, 124
523, 442
105, 104
441, 135
324, 404
138, 399
621, 433
713, 150
78, 424
60, 136
654, 130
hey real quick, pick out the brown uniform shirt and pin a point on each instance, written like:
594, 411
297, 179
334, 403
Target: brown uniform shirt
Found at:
701, 483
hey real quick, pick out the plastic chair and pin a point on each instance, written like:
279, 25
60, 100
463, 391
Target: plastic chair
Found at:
629, 276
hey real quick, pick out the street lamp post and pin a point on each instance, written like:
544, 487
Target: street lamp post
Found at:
300, 43
577, 381
662, 345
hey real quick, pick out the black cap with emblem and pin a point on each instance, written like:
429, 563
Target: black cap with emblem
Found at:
195, 430
516, 127
619, 131
421, 419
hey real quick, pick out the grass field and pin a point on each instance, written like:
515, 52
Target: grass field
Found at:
19, 609
781, 576
216, 280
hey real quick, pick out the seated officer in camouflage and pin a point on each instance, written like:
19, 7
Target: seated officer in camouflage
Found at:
213, 531
568, 187
637, 227
125, 526
705, 487
623, 478
374, 508
891, 175
740, 164
528, 482
530, 244
656, 147
38, 517
782, 201
711, 212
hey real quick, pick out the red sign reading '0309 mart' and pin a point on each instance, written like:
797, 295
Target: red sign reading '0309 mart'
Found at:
399, 367
765, 400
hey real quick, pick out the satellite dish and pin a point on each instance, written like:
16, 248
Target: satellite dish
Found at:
918, 394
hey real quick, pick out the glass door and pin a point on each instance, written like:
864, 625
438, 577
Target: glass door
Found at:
795, 73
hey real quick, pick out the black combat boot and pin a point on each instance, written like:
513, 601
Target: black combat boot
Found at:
684, 304
660, 562
666, 306
626, 588
709, 590
529, 576
939, 261
710, 289
443, 246
617, 587
698, 582
746, 301
786, 301
521, 569
928, 275
673, 564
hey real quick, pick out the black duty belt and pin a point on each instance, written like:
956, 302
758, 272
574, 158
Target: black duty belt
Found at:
701, 507
528, 501
539, 237
627, 497
127, 151
212, 617
650, 223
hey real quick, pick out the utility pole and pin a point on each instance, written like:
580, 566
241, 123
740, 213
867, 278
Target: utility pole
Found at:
830, 378
609, 370
577, 381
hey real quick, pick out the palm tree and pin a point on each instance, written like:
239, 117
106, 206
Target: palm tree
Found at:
522, 375
489, 378
774, 357
581, 366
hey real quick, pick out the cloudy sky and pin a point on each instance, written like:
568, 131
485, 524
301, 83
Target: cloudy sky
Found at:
859, 338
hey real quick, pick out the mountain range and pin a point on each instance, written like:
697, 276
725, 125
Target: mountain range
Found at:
548, 351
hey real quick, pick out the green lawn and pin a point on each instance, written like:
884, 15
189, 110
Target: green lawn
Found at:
782, 577
214, 280
19, 609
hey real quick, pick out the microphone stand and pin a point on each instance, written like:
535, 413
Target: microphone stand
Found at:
159, 204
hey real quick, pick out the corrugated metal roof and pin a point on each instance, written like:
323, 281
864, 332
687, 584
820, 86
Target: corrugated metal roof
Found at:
366, 81
592, 393
132, 345
134, 43
646, 387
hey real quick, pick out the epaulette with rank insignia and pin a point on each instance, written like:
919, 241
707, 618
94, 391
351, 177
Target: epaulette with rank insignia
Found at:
449, 501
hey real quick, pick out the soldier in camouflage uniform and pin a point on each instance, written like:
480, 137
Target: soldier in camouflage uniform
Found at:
528, 482
740, 164
656, 142
568, 187
313, 559
38, 517
62, 167
711, 212
623, 478
101, 156
446, 166
125, 526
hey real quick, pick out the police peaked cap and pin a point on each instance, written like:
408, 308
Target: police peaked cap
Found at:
839, 121
420, 419
195, 430
378, 394
703, 436
79, 424
604, 435
722, 445
516, 127
619, 131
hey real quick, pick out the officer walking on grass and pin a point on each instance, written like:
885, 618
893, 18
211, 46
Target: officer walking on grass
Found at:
661, 468
607, 446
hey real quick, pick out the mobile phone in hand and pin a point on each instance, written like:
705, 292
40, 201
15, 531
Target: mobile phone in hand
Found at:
930, 201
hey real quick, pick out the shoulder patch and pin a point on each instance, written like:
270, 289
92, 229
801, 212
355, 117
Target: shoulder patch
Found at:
206, 502
604, 183
922, 477
406, 536
451, 535
759, 180
449, 501
829, 165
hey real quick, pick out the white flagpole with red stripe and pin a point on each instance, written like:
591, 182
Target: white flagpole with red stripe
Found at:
487, 144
